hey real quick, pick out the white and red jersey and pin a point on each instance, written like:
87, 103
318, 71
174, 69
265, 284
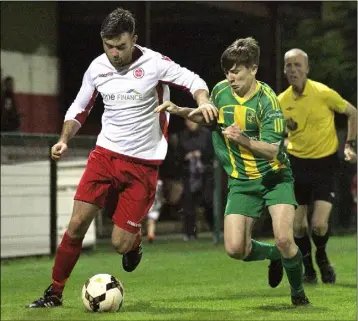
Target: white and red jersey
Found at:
130, 94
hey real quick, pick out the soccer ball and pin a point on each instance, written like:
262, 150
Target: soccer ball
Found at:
102, 293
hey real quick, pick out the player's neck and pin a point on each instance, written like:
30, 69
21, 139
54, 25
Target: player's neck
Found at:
252, 88
298, 89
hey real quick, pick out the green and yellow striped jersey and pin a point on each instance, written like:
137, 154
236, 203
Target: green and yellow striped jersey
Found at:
260, 118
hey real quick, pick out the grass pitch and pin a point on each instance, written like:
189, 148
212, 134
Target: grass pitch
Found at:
183, 281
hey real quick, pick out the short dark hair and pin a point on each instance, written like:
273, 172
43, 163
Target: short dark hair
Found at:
118, 22
244, 51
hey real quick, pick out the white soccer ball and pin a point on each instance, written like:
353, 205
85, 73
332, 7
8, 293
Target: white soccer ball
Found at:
102, 293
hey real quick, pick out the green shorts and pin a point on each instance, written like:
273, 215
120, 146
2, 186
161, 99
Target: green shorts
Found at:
249, 197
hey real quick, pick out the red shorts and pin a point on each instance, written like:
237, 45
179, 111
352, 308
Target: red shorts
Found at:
121, 184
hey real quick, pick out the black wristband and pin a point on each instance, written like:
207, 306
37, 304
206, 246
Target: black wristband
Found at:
351, 143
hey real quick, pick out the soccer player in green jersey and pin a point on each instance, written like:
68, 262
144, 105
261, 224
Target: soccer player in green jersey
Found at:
248, 138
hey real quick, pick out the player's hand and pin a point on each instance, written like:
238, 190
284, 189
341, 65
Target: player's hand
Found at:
349, 155
167, 106
57, 150
233, 133
208, 110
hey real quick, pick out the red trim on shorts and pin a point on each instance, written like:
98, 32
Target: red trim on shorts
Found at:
163, 122
149, 162
81, 117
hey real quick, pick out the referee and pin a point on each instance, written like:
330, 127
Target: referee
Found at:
309, 107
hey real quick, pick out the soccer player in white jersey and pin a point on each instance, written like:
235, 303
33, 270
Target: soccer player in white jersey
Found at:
132, 81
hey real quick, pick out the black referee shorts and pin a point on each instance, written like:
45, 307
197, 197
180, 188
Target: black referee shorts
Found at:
314, 178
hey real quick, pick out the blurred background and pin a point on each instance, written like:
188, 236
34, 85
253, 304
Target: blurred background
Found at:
46, 48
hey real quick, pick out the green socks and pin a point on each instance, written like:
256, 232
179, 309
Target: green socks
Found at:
293, 268
261, 251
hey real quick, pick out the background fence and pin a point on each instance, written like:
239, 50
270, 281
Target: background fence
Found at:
37, 193
37, 197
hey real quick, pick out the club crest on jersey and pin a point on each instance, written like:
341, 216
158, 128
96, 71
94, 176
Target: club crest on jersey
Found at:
250, 117
138, 73
291, 124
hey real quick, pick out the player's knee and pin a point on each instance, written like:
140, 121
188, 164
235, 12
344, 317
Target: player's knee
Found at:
77, 228
319, 228
121, 247
283, 243
300, 230
235, 251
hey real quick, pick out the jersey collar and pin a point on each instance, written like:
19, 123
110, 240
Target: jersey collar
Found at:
242, 100
305, 90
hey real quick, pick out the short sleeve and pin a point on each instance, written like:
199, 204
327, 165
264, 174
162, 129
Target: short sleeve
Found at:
272, 121
335, 101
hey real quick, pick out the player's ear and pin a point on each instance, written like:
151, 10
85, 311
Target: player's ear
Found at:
135, 38
254, 69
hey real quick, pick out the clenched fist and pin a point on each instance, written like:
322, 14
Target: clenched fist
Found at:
57, 150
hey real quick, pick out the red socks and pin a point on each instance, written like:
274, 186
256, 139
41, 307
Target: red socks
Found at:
66, 258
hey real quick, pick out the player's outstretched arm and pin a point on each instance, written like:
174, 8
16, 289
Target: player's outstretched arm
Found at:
69, 129
205, 113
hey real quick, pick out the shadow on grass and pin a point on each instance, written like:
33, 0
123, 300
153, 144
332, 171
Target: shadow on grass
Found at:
146, 306
290, 307
227, 297
346, 285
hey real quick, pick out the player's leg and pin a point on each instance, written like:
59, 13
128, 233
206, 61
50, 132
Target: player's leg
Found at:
128, 242
244, 198
320, 236
282, 222
302, 173
303, 192
238, 242
323, 197
70, 247
154, 212
281, 203
302, 239
153, 216
67, 253
89, 198
237, 235
136, 198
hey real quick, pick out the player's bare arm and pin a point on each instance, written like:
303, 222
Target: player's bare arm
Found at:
207, 109
349, 148
70, 128
205, 113
258, 148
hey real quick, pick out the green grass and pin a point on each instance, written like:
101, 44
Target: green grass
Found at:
183, 281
